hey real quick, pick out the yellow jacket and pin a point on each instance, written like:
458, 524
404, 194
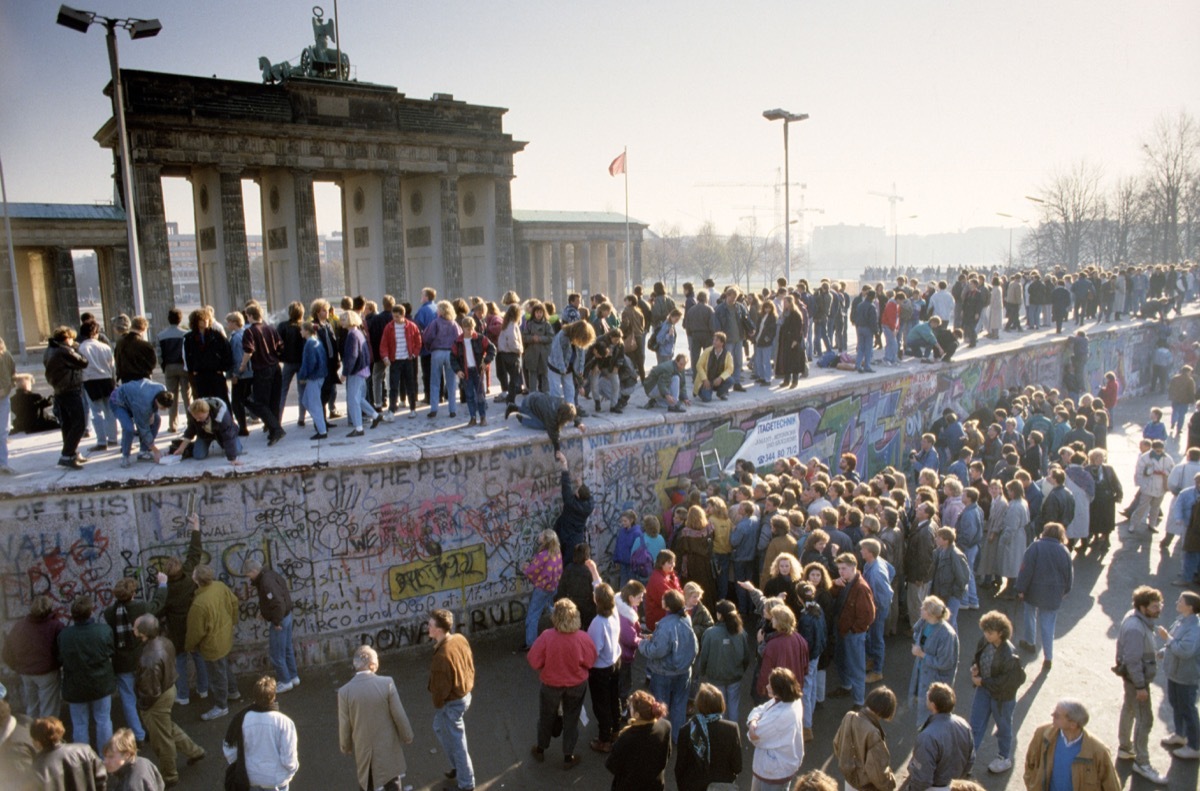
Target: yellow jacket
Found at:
210, 621
702, 368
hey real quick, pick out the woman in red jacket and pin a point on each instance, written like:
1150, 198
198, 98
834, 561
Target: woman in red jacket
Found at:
662, 580
562, 656
784, 647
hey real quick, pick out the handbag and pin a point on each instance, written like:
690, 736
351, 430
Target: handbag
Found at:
640, 562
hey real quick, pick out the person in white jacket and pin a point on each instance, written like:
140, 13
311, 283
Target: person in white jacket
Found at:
1153, 469
776, 730
268, 737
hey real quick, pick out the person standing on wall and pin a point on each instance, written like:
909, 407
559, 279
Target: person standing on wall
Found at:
170, 359
451, 679
262, 347
275, 606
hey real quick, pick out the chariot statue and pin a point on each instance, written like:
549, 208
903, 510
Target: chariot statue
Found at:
317, 60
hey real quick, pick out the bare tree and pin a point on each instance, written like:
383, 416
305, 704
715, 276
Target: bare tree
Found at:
1171, 169
1069, 204
662, 254
706, 253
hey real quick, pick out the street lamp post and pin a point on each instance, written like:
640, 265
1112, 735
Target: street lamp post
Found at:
783, 115
138, 28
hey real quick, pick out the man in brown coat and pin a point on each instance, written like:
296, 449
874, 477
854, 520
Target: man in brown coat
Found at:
372, 725
451, 679
154, 684
860, 745
856, 613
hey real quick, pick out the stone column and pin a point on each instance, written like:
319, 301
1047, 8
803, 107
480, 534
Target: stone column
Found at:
558, 290
598, 274
8, 301
616, 270
505, 267
62, 296
158, 285
524, 271
233, 232
583, 268
635, 261
116, 283
308, 247
451, 247
395, 276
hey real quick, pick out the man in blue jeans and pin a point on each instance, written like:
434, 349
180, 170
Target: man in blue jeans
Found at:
856, 613
120, 616
451, 679
879, 575
275, 606
671, 651
1046, 577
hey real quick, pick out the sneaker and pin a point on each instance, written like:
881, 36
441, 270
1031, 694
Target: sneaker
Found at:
1124, 754
1187, 753
412, 414
126, 462
1000, 765
284, 687
234, 695
1150, 773
214, 714
145, 456
1174, 740
202, 695
295, 682
182, 701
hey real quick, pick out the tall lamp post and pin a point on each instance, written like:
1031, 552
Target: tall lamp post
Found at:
138, 28
783, 115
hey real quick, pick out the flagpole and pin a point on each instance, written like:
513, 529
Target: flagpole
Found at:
628, 274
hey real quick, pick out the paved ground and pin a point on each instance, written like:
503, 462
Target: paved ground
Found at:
501, 723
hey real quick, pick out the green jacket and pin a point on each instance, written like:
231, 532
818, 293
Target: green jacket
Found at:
86, 650
724, 657
658, 380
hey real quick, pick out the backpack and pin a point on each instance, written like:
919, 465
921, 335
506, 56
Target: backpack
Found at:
640, 562
652, 341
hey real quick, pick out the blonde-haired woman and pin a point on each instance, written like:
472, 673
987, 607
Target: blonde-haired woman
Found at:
562, 656
935, 646
693, 547
439, 338
543, 573
722, 527
356, 369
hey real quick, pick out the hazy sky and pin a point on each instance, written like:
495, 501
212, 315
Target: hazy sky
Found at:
966, 106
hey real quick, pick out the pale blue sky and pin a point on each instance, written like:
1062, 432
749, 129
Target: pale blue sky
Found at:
966, 106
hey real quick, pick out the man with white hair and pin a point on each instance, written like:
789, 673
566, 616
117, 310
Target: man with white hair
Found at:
372, 725
1062, 754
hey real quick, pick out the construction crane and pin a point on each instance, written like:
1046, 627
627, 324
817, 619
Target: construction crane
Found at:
777, 186
892, 198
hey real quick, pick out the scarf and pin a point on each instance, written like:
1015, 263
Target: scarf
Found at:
698, 736
122, 628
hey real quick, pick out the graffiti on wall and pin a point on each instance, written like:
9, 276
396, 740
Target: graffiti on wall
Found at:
368, 552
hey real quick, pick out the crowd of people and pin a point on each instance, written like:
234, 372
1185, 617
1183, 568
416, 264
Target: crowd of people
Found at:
227, 376
768, 577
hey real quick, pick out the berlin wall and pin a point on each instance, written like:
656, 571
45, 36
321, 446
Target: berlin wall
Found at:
369, 551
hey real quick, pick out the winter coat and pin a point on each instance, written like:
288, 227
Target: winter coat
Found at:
70, 767
314, 366
124, 658
210, 621
860, 747
1180, 655
790, 356
1136, 653
950, 575
940, 662
1092, 769
64, 367
86, 650
31, 646
672, 648
1007, 674
1011, 543
724, 657
779, 739
1046, 574
781, 650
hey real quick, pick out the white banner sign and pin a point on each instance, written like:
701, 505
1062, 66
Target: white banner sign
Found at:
773, 438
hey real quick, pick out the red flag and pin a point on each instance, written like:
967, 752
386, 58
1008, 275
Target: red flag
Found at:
618, 166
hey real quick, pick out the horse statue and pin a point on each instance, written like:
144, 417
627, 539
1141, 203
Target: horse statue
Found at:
273, 73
